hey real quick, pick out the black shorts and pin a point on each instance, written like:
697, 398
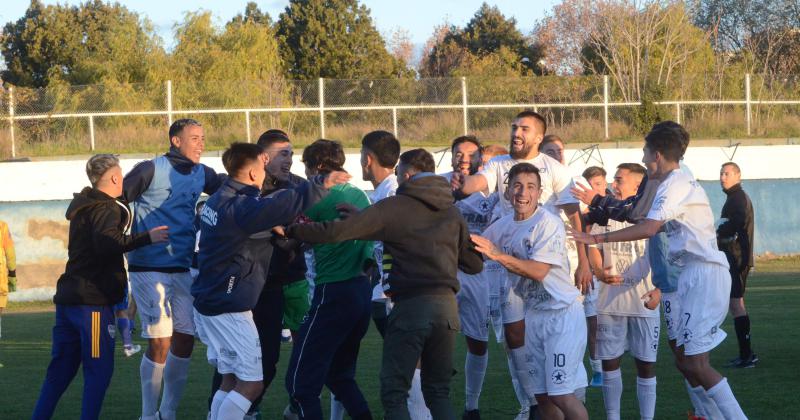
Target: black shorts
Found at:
738, 282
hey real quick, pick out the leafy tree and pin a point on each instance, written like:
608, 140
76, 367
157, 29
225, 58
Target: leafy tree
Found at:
252, 14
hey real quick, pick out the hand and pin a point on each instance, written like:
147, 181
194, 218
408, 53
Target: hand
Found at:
346, 210
608, 278
457, 181
585, 195
335, 178
652, 298
279, 231
583, 279
12, 280
578, 236
159, 234
485, 246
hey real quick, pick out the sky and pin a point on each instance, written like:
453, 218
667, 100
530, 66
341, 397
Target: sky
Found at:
416, 16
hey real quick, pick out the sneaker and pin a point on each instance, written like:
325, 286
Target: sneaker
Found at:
289, 413
524, 413
597, 380
691, 416
750, 362
471, 415
133, 349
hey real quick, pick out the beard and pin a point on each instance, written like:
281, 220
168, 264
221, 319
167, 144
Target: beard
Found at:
521, 153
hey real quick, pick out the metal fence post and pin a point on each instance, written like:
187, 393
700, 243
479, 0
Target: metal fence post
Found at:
322, 107
678, 112
91, 131
747, 99
11, 121
247, 124
394, 120
605, 104
464, 103
169, 102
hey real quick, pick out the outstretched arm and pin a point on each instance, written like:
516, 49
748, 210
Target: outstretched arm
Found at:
527, 268
642, 230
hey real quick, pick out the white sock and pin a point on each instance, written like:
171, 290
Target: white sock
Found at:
416, 401
337, 409
216, 402
597, 365
234, 407
697, 403
524, 401
646, 392
474, 372
175, 373
722, 395
150, 373
519, 359
612, 393
709, 409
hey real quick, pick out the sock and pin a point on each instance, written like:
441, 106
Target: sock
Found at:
722, 395
219, 397
474, 372
597, 366
696, 403
124, 327
416, 401
612, 393
151, 374
524, 401
337, 409
175, 373
742, 326
646, 392
519, 359
234, 407
709, 407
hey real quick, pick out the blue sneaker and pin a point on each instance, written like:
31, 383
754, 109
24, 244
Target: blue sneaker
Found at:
597, 380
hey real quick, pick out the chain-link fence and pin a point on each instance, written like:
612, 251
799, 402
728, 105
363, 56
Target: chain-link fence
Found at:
133, 118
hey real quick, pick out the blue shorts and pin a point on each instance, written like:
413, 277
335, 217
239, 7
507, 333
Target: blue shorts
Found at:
124, 304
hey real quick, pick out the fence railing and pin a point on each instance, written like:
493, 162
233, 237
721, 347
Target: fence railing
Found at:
453, 95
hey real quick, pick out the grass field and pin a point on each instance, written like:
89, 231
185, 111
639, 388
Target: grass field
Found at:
764, 392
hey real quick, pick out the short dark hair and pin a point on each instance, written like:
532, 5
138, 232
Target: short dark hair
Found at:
267, 138
550, 138
523, 168
239, 155
633, 168
668, 138
536, 116
466, 139
734, 165
384, 145
324, 156
593, 171
180, 124
419, 159
98, 165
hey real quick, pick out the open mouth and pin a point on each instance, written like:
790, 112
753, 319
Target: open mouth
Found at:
517, 143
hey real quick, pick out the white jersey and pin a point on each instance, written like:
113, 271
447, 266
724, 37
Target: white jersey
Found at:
387, 188
629, 261
556, 181
683, 205
476, 209
541, 238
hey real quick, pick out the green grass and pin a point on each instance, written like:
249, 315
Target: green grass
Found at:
767, 391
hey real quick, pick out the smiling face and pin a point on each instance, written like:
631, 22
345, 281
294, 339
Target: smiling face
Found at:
554, 149
523, 193
525, 138
190, 142
598, 184
728, 177
464, 155
280, 160
626, 183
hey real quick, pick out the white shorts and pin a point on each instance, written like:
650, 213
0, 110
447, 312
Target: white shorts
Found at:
556, 342
590, 299
617, 333
477, 308
512, 299
164, 302
672, 310
704, 293
233, 344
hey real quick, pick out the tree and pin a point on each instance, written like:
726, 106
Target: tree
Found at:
252, 14
401, 47
333, 39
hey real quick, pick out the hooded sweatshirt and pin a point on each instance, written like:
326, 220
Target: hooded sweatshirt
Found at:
420, 227
95, 272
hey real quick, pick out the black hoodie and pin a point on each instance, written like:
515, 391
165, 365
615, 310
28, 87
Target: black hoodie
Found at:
95, 272
420, 228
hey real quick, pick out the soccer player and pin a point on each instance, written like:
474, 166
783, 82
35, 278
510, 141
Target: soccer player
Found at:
529, 244
164, 191
326, 349
93, 281
624, 322
235, 226
735, 239
8, 268
527, 131
681, 208
553, 146
428, 239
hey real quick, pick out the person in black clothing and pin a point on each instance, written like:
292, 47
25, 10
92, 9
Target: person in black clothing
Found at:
429, 241
735, 239
93, 281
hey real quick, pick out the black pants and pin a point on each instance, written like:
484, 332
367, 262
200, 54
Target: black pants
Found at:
268, 317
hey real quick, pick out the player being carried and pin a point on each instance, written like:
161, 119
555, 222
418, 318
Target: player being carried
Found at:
530, 244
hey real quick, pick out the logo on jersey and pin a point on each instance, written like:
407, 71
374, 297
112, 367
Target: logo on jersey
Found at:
559, 377
209, 216
485, 205
687, 335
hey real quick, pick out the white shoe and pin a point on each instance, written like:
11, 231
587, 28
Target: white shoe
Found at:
524, 414
289, 414
135, 348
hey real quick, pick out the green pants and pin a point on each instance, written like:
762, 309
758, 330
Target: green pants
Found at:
295, 304
419, 328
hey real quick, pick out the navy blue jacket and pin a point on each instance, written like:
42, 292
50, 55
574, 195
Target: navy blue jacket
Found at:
234, 242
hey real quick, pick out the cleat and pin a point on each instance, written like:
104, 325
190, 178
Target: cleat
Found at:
289, 413
471, 415
524, 414
750, 362
133, 349
597, 380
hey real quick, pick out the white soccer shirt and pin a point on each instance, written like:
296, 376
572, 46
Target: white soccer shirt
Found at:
387, 188
629, 259
556, 181
476, 209
541, 238
683, 205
